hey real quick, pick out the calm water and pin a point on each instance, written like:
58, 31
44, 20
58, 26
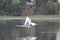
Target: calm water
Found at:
45, 30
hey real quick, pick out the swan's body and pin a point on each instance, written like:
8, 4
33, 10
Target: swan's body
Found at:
27, 23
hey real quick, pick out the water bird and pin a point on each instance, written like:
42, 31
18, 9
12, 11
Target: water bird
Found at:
28, 23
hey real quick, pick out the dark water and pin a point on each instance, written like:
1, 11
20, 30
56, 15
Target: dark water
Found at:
45, 30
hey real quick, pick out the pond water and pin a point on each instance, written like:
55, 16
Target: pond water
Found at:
45, 30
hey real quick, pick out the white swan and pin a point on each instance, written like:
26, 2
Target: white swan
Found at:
27, 23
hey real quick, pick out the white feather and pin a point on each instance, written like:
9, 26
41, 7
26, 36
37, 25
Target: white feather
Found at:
28, 23
33, 24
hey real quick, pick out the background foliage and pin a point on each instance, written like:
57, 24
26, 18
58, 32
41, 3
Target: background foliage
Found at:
18, 7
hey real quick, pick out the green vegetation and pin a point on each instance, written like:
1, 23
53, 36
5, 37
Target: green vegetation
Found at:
33, 16
19, 7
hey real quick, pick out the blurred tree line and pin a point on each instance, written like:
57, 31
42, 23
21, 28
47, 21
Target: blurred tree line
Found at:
19, 7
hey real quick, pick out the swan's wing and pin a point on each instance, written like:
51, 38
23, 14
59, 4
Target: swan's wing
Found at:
17, 25
27, 18
33, 24
29, 22
20, 25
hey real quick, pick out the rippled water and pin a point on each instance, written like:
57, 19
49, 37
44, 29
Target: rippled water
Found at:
46, 30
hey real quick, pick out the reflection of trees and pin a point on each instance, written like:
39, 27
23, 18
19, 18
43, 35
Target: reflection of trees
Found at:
7, 30
46, 30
